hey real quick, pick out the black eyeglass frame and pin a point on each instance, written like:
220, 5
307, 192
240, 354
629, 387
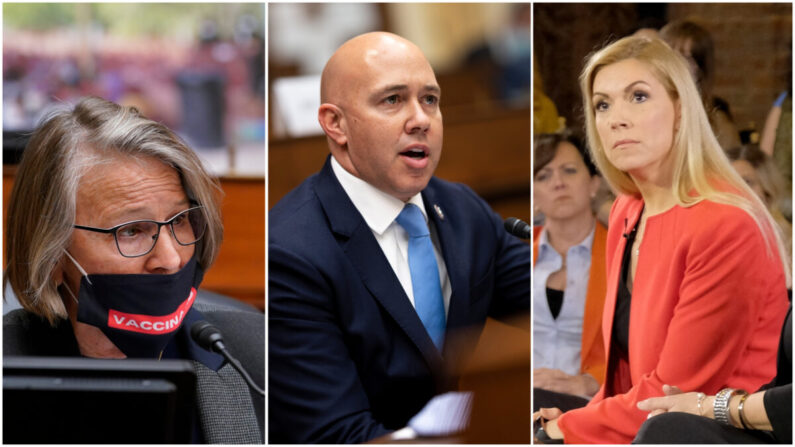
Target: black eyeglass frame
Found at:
169, 222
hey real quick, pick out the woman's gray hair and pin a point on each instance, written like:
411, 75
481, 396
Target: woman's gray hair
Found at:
42, 207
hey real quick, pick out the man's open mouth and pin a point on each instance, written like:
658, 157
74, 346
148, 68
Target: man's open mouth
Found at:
415, 153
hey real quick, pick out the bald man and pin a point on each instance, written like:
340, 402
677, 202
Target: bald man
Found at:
359, 309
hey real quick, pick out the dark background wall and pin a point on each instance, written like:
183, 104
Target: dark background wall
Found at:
753, 48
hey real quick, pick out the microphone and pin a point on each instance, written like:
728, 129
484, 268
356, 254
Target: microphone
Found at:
518, 228
209, 337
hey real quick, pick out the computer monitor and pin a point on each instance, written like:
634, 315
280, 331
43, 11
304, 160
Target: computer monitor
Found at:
79, 400
14, 142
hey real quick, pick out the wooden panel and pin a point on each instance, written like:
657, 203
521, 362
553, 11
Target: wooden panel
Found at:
290, 162
8, 183
239, 271
499, 375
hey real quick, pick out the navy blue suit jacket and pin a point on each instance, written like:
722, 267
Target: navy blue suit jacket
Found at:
349, 359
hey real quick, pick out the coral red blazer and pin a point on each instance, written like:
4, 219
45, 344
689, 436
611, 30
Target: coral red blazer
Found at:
592, 352
708, 302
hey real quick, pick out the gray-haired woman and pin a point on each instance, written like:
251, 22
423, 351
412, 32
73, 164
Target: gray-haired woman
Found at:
112, 222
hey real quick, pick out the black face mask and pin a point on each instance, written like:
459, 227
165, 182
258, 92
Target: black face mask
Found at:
140, 314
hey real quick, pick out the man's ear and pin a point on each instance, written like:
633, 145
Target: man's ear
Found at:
332, 121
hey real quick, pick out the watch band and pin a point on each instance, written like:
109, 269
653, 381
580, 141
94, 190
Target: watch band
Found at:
720, 407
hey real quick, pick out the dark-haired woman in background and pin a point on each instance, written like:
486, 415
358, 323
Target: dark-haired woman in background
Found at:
568, 275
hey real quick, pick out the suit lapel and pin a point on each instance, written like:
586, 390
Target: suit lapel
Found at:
365, 254
456, 265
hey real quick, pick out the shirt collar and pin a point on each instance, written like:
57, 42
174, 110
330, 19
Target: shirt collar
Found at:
544, 246
378, 208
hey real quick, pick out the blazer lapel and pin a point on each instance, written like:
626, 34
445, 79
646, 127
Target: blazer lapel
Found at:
365, 254
592, 341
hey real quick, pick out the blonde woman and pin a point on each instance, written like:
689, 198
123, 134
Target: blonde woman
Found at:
696, 282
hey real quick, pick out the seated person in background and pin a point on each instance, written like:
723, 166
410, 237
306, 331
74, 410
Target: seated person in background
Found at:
776, 142
762, 176
112, 219
695, 44
738, 418
373, 261
568, 271
684, 305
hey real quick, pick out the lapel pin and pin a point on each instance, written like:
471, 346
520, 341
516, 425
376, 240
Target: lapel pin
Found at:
438, 211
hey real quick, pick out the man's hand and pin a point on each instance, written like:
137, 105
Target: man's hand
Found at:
558, 381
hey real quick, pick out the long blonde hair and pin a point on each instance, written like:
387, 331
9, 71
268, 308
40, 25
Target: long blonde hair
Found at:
701, 170
42, 206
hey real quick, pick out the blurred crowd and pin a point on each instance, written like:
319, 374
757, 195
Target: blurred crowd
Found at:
211, 89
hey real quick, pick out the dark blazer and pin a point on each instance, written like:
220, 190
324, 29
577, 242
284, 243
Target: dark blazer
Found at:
349, 359
25, 334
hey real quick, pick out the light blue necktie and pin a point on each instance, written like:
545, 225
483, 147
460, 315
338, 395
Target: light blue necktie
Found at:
424, 273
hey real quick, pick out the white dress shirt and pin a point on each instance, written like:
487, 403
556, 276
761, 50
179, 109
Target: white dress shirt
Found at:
557, 342
379, 211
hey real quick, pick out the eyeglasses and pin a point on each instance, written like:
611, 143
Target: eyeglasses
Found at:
137, 238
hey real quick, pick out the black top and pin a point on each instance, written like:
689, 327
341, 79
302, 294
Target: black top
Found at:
623, 300
555, 301
778, 398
